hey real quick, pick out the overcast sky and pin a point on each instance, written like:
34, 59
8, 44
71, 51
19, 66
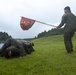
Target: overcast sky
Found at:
48, 11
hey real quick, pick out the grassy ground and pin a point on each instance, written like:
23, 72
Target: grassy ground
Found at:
49, 58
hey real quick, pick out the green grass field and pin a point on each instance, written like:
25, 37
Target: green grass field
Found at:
49, 58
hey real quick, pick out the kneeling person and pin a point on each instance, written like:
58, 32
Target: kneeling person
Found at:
14, 48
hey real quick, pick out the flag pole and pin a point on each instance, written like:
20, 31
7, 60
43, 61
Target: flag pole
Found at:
45, 23
42, 22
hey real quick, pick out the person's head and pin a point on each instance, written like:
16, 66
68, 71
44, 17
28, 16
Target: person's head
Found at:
67, 9
12, 52
8, 54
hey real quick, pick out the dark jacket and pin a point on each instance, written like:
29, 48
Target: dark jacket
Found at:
69, 20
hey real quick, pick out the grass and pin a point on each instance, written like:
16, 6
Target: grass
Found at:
49, 58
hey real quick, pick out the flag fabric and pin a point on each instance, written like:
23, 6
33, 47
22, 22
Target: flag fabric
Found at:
26, 23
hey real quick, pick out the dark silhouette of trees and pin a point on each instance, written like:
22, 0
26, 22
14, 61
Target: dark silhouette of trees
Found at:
50, 33
3, 36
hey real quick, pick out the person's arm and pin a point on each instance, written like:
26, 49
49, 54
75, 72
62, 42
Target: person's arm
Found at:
5, 46
63, 21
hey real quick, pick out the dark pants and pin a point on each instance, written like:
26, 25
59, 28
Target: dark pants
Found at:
68, 41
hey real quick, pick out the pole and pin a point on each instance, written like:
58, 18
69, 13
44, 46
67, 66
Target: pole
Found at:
41, 22
45, 23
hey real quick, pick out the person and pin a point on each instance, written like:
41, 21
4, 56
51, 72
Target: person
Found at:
69, 20
15, 48
11, 52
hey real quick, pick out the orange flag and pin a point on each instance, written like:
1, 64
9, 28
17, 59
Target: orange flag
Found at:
26, 23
